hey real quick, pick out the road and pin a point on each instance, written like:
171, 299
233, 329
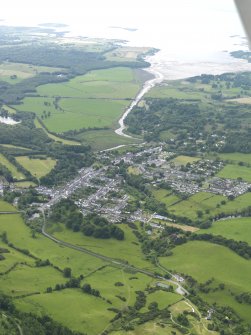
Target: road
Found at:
83, 177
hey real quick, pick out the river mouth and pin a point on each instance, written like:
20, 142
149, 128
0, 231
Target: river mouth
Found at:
8, 120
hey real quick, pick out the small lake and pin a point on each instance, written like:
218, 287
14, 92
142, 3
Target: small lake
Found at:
8, 120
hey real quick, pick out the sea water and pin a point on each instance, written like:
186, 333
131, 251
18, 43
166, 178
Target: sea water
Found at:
194, 36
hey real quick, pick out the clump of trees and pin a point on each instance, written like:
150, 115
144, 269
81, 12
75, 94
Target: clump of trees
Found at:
91, 225
86, 288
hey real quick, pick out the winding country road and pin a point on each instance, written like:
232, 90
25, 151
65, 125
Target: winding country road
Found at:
147, 86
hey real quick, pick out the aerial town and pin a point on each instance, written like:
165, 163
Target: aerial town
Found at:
101, 187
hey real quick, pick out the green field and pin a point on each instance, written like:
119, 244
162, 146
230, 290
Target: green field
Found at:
76, 113
6, 207
209, 202
77, 310
15, 173
21, 71
94, 100
164, 299
20, 235
114, 83
124, 53
54, 137
37, 167
12, 258
26, 279
183, 160
233, 171
105, 280
170, 91
238, 229
24, 184
74, 309
203, 261
129, 248
103, 139
183, 89
239, 203
9, 109
150, 328
134, 170
14, 147
236, 157
166, 197
199, 201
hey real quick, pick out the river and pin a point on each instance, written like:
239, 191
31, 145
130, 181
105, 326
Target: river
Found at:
158, 78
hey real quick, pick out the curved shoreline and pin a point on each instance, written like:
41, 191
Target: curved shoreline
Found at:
146, 87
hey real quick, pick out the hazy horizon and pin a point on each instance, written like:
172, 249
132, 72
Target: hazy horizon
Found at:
188, 32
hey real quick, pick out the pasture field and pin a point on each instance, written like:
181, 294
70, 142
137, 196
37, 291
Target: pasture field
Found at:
204, 260
126, 53
6, 207
26, 279
164, 299
236, 157
54, 137
166, 197
209, 202
12, 258
179, 307
14, 73
129, 248
90, 113
173, 91
238, 229
233, 171
78, 311
13, 170
176, 225
103, 139
113, 83
199, 201
239, 203
242, 100
94, 100
37, 167
37, 105
161, 193
150, 328
75, 113
119, 74
105, 281
20, 235
183, 160
134, 170
24, 184
197, 90
10, 146
9, 109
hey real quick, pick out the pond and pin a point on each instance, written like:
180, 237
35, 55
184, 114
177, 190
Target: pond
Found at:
8, 120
